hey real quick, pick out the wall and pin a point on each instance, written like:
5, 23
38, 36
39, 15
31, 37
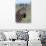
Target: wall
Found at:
7, 15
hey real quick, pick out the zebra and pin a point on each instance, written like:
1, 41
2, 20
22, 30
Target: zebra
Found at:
21, 13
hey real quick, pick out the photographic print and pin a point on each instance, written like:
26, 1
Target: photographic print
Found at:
23, 11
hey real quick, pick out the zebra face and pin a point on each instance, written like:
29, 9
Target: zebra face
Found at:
23, 13
20, 14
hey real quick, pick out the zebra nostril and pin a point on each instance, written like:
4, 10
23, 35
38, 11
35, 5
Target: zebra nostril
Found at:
24, 16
